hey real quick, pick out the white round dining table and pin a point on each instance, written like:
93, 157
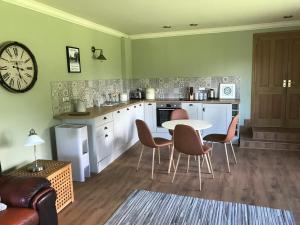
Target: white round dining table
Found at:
196, 124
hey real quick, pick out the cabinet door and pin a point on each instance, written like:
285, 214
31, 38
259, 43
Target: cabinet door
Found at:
192, 110
104, 145
150, 115
129, 125
219, 115
120, 134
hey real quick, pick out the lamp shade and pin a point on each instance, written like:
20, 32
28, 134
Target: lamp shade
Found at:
33, 139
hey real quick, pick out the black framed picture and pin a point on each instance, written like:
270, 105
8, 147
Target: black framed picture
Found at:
73, 59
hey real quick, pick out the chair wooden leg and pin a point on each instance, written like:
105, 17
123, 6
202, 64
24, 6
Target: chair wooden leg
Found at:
207, 163
171, 159
232, 149
188, 164
199, 170
227, 157
158, 150
176, 167
212, 170
202, 160
137, 168
212, 148
153, 158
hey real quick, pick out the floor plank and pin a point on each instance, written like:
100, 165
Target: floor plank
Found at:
261, 177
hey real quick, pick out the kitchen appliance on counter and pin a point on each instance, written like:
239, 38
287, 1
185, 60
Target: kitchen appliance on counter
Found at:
124, 97
211, 94
150, 93
164, 110
191, 93
79, 105
137, 94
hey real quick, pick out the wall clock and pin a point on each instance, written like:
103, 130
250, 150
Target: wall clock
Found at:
18, 67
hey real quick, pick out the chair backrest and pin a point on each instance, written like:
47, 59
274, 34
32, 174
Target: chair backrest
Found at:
179, 114
232, 128
144, 134
187, 141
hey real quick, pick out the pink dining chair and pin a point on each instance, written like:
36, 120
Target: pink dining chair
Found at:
186, 141
147, 140
225, 138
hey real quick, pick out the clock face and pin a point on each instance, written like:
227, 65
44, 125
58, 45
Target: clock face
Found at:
18, 68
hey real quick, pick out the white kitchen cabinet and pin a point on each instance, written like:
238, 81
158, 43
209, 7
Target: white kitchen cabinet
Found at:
120, 134
219, 115
193, 109
150, 115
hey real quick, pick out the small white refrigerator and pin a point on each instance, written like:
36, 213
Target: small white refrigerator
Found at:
72, 145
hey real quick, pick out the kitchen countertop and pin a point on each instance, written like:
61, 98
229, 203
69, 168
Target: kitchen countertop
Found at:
95, 112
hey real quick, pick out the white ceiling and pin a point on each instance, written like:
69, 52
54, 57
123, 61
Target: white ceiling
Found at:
148, 16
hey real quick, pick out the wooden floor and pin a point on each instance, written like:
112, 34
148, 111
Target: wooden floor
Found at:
262, 177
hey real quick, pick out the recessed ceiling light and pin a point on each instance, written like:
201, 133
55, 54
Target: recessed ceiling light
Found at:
288, 17
167, 26
193, 24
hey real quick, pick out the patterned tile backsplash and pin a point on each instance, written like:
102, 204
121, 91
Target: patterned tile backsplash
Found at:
64, 92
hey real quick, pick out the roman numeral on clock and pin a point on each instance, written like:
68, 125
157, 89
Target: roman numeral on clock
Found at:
27, 60
15, 51
8, 53
29, 68
3, 67
5, 76
11, 82
4, 59
19, 84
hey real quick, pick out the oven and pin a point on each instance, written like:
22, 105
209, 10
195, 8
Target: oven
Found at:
164, 110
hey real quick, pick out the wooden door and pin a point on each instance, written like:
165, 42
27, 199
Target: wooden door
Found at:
293, 85
270, 63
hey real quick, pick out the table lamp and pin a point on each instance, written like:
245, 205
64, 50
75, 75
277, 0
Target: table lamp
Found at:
33, 140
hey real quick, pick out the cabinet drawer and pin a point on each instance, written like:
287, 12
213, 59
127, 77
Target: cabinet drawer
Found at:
100, 120
103, 129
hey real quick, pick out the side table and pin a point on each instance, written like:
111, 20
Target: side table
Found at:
59, 173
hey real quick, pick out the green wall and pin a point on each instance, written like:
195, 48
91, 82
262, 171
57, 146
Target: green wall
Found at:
47, 37
221, 54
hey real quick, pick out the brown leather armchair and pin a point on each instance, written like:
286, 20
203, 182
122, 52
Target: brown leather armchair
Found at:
30, 201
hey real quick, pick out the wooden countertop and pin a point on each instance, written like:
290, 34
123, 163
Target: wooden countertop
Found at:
95, 112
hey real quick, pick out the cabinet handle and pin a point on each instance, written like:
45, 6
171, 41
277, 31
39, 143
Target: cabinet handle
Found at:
149, 104
118, 111
135, 106
284, 83
105, 118
289, 83
105, 128
203, 109
106, 135
190, 104
127, 109
140, 104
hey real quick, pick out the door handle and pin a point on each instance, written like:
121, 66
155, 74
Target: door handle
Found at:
284, 83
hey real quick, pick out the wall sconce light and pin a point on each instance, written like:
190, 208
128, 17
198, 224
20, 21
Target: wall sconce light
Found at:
100, 56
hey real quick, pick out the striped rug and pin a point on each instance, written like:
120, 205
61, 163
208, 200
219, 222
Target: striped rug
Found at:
146, 207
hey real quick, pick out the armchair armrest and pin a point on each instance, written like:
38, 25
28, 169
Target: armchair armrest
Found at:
19, 191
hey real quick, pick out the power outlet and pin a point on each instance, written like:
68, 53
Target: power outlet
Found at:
66, 99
